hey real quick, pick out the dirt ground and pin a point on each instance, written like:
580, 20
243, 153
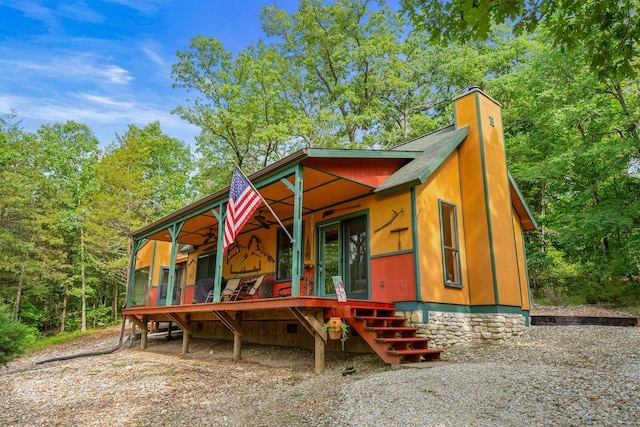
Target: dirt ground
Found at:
160, 386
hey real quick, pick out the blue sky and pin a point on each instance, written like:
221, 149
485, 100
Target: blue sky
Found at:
107, 63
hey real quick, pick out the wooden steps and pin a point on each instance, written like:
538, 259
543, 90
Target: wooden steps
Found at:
388, 336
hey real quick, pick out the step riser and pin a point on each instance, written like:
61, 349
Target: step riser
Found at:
390, 338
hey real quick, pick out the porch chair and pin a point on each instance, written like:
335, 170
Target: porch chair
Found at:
246, 288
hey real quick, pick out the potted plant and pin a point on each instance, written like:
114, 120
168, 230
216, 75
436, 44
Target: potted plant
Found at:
337, 329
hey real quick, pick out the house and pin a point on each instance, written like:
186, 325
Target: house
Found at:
426, 238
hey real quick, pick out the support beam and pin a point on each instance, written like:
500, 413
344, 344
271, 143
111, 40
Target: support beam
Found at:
143, 333
312, 319
309, 319
235, 326
185, 325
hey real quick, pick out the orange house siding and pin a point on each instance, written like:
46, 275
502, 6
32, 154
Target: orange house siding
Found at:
444, 184
481, 280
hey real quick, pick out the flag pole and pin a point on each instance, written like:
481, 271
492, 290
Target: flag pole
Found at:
267, 204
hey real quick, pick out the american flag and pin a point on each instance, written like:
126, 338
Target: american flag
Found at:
243, 202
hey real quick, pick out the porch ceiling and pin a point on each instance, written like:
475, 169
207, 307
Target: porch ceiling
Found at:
321, 190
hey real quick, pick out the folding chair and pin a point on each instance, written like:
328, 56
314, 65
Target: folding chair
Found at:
230, 289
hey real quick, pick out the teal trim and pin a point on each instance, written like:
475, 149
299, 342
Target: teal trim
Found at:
343, 249
169, 296
456, 237
174, 231
522, 199
425, 307
486, 201
263, 181
136, 244
153, 270
178, 220
515, 249
526, 264
360, 154
217, 282
296, 262
416, 250
388, 254
289, 185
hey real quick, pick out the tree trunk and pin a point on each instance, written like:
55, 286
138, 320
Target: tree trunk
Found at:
64, 305
83, 281
16, 306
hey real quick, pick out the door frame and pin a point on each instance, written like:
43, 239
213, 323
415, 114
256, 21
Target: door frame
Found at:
321, 228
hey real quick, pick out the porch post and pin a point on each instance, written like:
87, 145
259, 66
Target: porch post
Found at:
186, 334
131, 273
297, 233
217, 282
143, 333
237, 340
173, 231
319, 345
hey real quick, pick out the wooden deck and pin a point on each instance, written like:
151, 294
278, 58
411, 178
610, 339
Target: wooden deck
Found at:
310, 312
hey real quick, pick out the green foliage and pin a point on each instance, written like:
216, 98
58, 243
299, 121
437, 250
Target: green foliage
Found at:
346, 74
13, 336
608, 32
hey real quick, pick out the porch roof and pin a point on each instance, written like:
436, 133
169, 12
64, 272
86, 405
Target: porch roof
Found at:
331, 177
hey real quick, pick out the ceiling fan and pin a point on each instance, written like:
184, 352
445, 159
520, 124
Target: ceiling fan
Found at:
210, 235
262, 220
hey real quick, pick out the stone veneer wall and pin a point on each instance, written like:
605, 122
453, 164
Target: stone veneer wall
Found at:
446, 328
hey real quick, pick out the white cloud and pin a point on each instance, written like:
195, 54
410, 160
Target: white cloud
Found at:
105, 116
144, 6
74, 65
152, 55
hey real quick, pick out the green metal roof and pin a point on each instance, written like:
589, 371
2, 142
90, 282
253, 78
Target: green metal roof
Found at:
435, 148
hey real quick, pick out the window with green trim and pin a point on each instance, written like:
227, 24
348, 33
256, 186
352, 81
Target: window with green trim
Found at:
450, 244
284, 254
140, 285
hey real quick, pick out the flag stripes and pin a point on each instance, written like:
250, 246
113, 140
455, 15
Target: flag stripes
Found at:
243, 202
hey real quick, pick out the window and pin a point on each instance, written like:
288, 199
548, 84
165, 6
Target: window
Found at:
285, 254
206, 266
164, 286
140, 284
450, 244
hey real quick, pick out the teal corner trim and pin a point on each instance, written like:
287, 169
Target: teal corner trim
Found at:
217, 282
416, 250
487, 201
153, 270
296, 264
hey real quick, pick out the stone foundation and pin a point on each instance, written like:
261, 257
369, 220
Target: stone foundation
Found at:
446, 328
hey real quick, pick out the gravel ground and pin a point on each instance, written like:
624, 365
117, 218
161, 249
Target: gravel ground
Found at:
552, 376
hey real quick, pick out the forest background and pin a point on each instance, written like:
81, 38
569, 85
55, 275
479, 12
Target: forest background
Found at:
348, 74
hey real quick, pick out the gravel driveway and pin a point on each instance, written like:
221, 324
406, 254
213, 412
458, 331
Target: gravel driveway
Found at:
553, 376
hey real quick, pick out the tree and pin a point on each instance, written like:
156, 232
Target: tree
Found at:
569, 145
69, 153
142, 176
239, 106
13, 336
607, 31
344, 54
